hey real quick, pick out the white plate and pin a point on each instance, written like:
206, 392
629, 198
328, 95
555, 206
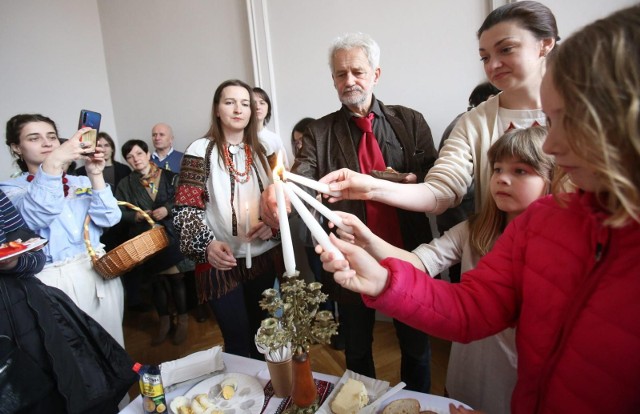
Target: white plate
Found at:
31, 244
434, 403
375, 388
248, 399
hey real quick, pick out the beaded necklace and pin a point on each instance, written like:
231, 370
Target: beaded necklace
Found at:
65, 180
241, 177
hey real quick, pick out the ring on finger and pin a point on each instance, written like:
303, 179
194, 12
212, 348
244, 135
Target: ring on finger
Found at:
82, 145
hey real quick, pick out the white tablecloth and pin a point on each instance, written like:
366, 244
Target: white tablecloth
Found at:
258, 369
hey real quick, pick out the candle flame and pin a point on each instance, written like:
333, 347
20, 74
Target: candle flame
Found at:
278, 169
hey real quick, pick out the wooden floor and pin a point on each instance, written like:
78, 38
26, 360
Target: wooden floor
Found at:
139, 328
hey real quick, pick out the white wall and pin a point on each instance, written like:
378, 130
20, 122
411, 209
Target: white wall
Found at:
428, 55
53, 63
165, 59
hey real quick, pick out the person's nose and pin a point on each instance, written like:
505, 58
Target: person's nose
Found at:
503, 178
350, 79
237, 108
492, 64
551, 144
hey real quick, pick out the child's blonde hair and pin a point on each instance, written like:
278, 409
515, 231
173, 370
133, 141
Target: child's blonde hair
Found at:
526, 146
597, 74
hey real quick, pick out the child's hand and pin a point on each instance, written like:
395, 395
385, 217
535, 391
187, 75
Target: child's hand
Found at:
359, 272
361, 236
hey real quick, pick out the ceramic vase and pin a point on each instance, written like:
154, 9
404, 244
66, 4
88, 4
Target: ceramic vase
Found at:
281, 377
303, 391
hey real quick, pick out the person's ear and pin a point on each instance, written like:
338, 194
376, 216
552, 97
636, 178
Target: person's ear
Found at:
547, 46
15, 148
376, 75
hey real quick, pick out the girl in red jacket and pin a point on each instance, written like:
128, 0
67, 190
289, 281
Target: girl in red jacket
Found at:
566, 271
483, 373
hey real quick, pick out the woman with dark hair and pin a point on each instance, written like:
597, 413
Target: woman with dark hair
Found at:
297, 132
153, 190
515, 40
114, 171
270, 140
221, 179
55, 205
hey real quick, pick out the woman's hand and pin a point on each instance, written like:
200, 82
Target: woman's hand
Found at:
260, 231
69, 151
359, 272
353, 185
220, 255
159, 213
9, 263
96, 163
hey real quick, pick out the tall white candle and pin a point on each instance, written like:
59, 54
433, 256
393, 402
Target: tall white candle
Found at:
285, 231
315, 228
247, 229
307, 182
319, 207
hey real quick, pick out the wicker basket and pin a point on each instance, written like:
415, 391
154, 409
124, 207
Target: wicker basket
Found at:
130, 253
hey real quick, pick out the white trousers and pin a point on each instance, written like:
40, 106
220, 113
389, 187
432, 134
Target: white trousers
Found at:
101, 299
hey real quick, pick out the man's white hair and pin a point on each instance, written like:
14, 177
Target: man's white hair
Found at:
353, 40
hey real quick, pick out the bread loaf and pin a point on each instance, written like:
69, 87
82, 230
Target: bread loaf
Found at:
403, 406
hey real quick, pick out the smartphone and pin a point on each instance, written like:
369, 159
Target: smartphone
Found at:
92, 120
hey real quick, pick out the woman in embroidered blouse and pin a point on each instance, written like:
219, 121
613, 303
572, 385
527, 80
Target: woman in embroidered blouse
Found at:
221, 179
55, 206
153, 190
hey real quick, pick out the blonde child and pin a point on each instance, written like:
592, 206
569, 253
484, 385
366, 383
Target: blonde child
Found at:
481, 373
565, 272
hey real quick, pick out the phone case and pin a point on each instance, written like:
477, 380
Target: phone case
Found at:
89, 119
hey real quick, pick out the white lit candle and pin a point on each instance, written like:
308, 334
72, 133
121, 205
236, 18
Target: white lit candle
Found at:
315, 228
285, 231
307, 182
247, 229
319, 207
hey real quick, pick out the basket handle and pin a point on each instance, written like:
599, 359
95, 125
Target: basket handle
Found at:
87, 241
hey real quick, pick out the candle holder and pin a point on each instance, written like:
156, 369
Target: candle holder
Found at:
296, 321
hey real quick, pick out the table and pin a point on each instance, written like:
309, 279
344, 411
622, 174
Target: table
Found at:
258, 369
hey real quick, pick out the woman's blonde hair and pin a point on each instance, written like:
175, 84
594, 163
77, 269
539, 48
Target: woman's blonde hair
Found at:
597, 74
526, 146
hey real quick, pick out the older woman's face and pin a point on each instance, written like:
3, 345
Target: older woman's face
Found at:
138, 159
37, 141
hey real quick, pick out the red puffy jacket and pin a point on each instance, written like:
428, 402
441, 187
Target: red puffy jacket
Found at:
568, 283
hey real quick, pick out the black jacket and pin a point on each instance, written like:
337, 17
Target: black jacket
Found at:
327, 146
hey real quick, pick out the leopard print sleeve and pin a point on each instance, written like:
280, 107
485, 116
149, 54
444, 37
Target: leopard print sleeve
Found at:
189, 209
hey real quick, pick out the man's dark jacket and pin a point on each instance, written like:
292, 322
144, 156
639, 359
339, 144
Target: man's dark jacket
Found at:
327, 146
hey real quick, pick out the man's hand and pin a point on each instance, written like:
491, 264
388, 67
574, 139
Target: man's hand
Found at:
260, 231
353, 185
359, 272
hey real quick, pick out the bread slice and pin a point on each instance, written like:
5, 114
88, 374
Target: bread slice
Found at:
403, 406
